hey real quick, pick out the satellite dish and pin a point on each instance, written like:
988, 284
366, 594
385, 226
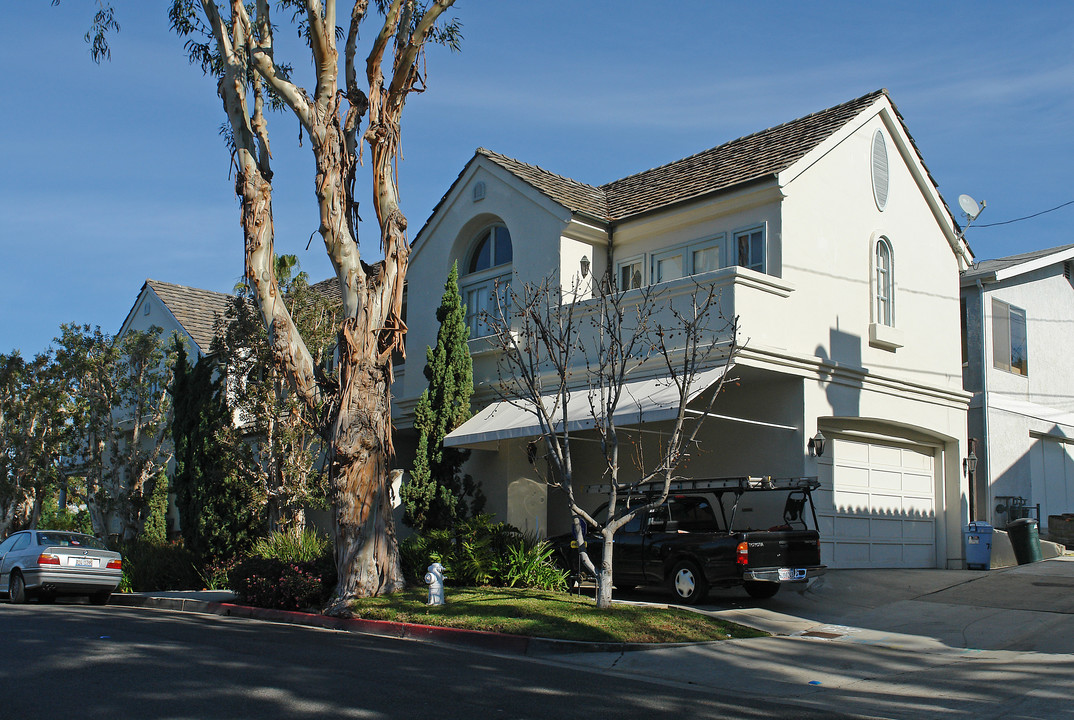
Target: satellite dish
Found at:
969, 206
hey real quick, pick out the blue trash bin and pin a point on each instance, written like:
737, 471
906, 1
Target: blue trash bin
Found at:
977, 546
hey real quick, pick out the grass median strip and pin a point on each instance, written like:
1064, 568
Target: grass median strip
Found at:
537, 613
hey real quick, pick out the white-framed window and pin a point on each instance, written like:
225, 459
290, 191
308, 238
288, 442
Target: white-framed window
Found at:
749, 249
1010, 350
630, 274
487, 276
884, 283
692, 259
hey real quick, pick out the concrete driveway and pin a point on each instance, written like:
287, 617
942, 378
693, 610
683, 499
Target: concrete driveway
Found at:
891, 643
1024, 608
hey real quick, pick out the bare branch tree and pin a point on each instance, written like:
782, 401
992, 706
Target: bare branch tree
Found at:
586, 365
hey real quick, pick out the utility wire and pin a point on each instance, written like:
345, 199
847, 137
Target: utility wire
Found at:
1027, 217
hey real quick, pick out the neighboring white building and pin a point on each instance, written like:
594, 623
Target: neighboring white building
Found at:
827, 236
1018, 313
190, 312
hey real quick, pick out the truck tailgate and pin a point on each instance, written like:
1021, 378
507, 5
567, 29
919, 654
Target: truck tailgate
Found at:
783, 548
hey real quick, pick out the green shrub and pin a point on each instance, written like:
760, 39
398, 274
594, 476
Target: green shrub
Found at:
288, 570
530, 564
292, 545
150, 566
275, 583
215, 574
482, 552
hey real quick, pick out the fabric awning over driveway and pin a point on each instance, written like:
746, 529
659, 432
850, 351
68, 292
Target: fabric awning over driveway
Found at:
643, 401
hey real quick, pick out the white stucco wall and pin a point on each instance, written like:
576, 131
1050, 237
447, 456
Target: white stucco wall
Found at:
808, 361
1025, 413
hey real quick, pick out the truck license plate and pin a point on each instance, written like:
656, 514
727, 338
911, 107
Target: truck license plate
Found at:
792, 573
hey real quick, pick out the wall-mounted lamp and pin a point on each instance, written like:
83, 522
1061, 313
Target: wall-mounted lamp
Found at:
969, 464
816, 444
584, 263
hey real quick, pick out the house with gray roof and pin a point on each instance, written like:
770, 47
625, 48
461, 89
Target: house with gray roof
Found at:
191, 312
1017, 315
826, 236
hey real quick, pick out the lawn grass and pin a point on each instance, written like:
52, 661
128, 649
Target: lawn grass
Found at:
538, 613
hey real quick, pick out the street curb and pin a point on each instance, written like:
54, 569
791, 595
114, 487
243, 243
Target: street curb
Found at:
479, 639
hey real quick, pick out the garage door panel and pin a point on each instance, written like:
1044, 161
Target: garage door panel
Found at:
917, 460
879, 528
887, 555
850, 451
852, 501
922, 531
882, 506
919, 506
914, 483
852, 476
886, 480
851, 554
880, 455
886, 504
851, 527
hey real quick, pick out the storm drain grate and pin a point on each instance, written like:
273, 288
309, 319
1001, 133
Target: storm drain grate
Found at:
822, 634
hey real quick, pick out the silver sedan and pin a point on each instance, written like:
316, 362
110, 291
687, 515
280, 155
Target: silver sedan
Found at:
47, 563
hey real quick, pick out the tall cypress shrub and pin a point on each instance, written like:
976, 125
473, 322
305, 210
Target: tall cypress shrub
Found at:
437, 494
220, 502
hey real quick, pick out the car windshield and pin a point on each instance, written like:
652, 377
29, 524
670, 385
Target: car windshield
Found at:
67, 539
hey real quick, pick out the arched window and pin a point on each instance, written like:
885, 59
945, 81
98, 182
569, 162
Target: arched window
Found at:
491, 249
487, 276
885, 284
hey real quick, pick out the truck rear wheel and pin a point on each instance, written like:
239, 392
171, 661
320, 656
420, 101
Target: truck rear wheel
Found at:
761, 590
688, 584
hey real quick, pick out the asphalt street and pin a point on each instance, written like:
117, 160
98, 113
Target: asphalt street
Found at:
855, 643
66, 661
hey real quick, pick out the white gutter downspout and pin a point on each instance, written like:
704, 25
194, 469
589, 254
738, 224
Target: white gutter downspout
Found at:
984, 410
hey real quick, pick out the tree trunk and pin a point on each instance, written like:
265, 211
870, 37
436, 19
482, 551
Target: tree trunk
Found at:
604, 577
367, 556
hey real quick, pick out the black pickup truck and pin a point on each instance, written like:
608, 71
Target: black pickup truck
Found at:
721, 532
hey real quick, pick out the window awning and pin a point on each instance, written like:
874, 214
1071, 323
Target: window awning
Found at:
643, 401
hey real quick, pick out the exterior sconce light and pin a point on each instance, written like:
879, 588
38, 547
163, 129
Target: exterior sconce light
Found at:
816, 444
969, 464
584, 263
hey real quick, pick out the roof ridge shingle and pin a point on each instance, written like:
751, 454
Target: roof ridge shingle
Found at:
871, 96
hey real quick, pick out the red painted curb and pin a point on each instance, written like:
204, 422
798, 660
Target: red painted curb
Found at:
385, 628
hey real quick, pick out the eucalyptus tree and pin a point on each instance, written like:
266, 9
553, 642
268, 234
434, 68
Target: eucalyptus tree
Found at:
235, 42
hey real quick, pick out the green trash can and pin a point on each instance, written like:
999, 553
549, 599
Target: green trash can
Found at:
1025, 539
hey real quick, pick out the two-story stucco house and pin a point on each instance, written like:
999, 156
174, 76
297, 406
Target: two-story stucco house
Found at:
190, 312
828, 238
1017, 317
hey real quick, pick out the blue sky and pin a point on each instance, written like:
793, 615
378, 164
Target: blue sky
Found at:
116, 173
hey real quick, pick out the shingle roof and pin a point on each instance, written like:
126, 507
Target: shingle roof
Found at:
990, 267
740, 161
196, 310
573, 195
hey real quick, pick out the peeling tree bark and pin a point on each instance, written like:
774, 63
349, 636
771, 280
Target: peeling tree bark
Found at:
355, 413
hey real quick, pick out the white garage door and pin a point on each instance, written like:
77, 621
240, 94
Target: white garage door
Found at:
877, 505
1052, 472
